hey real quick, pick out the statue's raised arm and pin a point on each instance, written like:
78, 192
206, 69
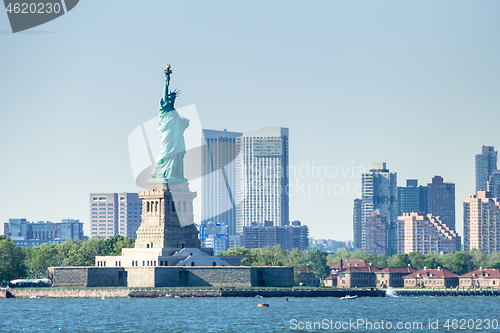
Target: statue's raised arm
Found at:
168, 99
167, 72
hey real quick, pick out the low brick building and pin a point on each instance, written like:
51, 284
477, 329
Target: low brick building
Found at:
355, 273
431, 278
306, 277
480, 278
330, 281
356, 277
393, 276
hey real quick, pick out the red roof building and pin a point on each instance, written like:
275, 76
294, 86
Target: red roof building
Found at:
481, 278
354, 273
343, 264
393, 276
431, 278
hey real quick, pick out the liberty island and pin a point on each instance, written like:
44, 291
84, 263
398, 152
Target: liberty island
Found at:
167, 251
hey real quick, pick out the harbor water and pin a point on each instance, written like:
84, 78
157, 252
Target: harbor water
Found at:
222, 314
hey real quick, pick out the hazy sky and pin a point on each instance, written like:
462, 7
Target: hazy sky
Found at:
411, 83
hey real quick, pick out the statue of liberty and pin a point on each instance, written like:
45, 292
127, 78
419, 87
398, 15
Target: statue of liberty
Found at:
169, 166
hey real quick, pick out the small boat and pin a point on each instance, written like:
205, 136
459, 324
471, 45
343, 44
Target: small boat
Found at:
349, 297
263, 305
33, 296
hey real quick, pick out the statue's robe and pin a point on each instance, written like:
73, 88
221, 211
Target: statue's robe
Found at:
169, 165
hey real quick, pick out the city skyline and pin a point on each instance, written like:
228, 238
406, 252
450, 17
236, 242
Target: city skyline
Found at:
373, 80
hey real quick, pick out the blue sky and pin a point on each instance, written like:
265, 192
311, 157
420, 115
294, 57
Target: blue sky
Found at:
411, 83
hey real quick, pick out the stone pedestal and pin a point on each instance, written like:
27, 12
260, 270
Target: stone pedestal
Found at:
167, 217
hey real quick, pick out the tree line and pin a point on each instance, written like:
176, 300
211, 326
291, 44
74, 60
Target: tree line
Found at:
459, 262
33, 262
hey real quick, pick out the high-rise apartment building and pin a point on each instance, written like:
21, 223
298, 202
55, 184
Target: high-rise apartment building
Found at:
379, 191
356, 223
412, 198
262, 178
441, 200
115, 214
218, 182
486, 162
425, 233
376, 233
482, 223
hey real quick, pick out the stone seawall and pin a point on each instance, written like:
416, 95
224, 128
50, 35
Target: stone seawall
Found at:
447, 292
126, 292
69, 293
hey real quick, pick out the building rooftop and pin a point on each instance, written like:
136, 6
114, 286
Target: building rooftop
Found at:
397, 270
434, 272
354, 263
487, 272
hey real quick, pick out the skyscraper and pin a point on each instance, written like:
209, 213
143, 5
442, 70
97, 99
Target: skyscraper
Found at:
262, 177
494, 184
486, 162
441, 200
218, 193
412, 198
356, 223
482, 223
115, 214
379, 191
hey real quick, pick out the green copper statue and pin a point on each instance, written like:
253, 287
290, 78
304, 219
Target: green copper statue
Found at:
169, 166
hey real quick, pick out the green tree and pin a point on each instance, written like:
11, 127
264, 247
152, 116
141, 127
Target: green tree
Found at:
248, 258
493, 260
479, 258
39, 258
265, 257
11, 260
416, 260
317, 261
399, 260
113, 246
294, 258
432, 261
63, 250
460, 262
84, 253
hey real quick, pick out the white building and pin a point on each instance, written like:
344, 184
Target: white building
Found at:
262, 177
115, 214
